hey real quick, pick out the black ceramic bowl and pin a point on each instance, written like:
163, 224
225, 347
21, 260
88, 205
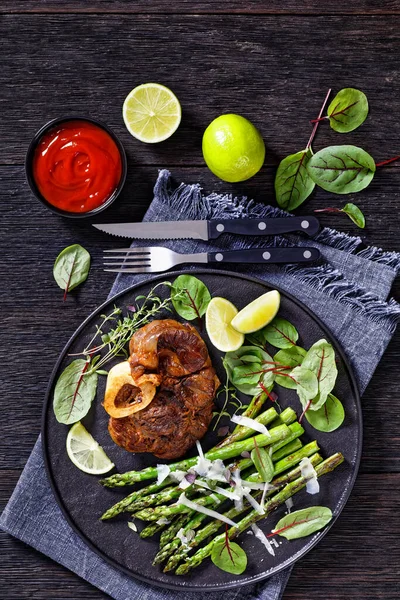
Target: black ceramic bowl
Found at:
29, 166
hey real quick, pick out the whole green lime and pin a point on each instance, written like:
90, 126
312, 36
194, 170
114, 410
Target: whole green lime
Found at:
233, 148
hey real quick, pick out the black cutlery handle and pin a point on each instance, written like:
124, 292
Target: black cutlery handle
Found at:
308, 225
266, 255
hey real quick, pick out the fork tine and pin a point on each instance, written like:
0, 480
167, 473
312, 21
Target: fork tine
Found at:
130, 250
136, 263
128, 257
139, 270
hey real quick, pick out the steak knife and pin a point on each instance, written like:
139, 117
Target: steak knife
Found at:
210, 230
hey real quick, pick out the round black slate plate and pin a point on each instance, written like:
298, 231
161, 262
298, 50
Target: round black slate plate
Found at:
82, 499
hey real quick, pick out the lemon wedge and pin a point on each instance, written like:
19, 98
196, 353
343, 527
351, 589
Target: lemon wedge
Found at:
258, 313
151, 112
219, 315
85, 452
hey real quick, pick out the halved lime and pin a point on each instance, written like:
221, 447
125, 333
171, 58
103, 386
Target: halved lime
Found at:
85, 452
258, 313
151, 112
219, 315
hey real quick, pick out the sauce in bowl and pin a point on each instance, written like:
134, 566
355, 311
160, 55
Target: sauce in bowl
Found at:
77, 166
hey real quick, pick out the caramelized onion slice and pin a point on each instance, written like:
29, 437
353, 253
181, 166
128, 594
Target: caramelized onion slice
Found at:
125, 396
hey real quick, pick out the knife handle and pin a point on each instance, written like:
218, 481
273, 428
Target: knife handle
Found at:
270, 226
266, 255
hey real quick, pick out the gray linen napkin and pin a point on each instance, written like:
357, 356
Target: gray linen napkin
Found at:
336, 290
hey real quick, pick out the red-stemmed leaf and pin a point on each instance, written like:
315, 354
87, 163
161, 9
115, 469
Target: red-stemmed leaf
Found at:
71, 267
302, 522
342, 169
74, 392
293, 183
348, 110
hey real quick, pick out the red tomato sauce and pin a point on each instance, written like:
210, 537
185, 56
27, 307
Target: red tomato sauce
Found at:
77, 166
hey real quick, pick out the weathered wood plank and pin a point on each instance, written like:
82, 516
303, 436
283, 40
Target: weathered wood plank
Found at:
252, 65
201, 7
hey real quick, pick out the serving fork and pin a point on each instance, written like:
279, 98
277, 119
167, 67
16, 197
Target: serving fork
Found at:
155, 259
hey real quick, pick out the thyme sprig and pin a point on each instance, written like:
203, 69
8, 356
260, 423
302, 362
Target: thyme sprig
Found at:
114, 340
230, 399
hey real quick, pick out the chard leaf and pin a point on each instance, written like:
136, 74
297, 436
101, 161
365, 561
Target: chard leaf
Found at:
263, 463
348, 110
301, 523
342, 169
71, 267
245, 374
355, 214
329, 417
190, 297
293, 183
306, 384
290, 357
279, 333
320, 359
230, 557
74, 392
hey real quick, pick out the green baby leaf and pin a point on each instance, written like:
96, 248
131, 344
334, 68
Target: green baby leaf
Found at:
349, 209
290, 358
230, 557
247, 367
306, 383
342, 169
293, 183
355, 214
279, 333
190, 297
74, 392
329, 417
348, 110
263, 463
320, 359
71, 267
301, 523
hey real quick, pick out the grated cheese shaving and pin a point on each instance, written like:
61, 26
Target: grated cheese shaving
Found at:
177, 475
251, 423
184, 484
163, 521
260, 535
310, 475
219, 490
162, 473
185, 538
253, 502
204, 510
289, 504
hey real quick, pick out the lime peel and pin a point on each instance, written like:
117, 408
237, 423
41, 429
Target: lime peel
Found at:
85, 453
219, 315
258, 313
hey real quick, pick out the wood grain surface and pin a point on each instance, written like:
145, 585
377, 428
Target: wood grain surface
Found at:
271, 63
258, 7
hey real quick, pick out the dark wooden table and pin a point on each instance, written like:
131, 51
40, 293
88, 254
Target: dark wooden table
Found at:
271, 61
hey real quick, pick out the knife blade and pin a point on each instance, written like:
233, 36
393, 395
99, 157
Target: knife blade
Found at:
207, 230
